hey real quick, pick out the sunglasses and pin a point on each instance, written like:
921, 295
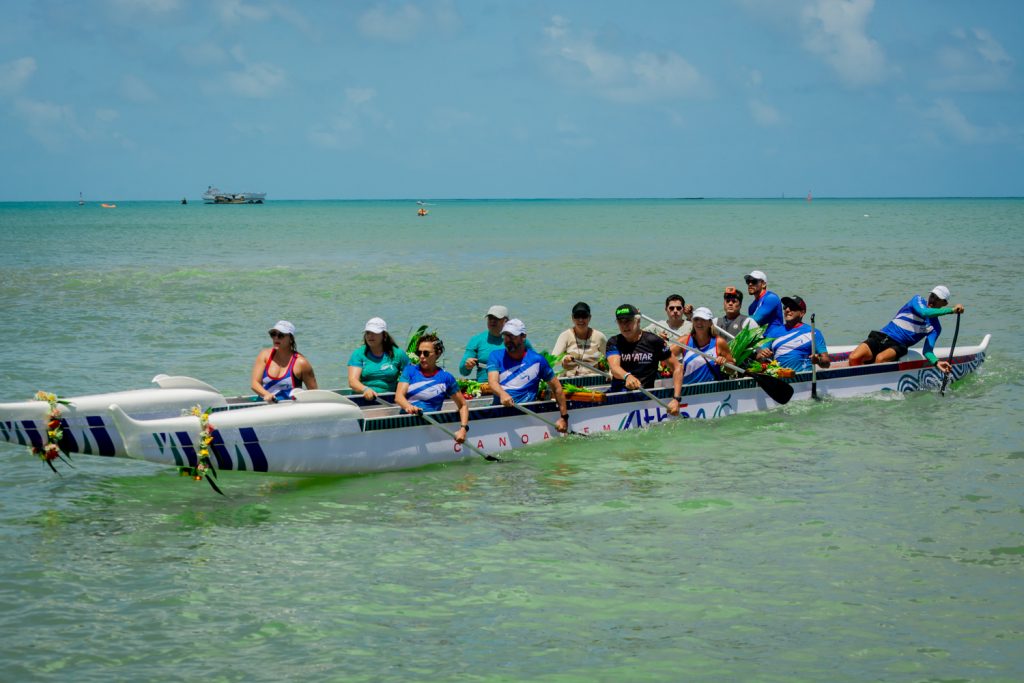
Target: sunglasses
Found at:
274, 334
733, 298
424, 354
675, 308
581, 317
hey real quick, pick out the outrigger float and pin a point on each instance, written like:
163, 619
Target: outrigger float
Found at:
326, 432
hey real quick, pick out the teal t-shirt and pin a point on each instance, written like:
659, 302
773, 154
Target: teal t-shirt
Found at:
380, 373
480, 347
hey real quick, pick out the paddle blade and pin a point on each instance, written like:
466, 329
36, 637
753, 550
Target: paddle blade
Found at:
778, 390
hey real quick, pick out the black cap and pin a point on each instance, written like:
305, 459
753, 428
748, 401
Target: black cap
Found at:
794, 303
580, 310
626, 312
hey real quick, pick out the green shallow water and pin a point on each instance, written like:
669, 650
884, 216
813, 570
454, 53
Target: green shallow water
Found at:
879, 538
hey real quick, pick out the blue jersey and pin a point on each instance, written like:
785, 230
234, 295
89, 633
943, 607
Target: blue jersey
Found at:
520, 378
913, 322
767, 310
281, 387
425, 392
481, 346
793, 349
697, 368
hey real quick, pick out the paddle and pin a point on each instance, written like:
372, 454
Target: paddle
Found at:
527, 411
777, 390
945, 376
645, 392
432, 421
814, 366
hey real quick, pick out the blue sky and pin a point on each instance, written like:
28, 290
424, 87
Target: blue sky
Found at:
156, 99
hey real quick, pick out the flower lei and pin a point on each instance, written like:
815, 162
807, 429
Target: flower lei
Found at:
204, 466
54, 432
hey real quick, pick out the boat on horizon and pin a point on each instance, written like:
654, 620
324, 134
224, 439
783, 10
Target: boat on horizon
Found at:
336, 432
215, 195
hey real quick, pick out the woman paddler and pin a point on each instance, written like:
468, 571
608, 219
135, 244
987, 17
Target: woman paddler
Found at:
424, 386
281, 368
697, 368
375, 367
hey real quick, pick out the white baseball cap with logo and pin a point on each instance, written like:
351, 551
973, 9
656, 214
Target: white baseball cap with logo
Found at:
515, 327
941, 291
284, 327
376, 325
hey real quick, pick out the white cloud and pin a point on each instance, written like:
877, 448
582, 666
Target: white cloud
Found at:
763, 113
14, 74
576, 58
258, 81
955, 123
147, 6
51, 124
974, 62
397, 25
107, 115
344, 130
234, 11
203, 54
135, 89
836, 30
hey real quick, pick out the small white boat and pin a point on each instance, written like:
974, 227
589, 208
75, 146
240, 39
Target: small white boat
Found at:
323, 432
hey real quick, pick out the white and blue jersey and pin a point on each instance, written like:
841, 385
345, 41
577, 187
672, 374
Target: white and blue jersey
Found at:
520, 378
793, 348
281, 387
428, 393
697, 368
914, 322
767, 310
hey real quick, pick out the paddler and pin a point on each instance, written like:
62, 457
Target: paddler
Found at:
792, 349
916, 320
677, 318
480, 346
424, 386
766, 308
514, 372
733, 321
281, 368
634, 354
697, 368
375, 366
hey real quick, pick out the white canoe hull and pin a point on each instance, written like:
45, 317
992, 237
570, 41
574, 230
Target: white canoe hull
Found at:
333, 436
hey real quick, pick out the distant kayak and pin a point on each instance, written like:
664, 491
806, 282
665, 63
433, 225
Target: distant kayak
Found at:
109, 206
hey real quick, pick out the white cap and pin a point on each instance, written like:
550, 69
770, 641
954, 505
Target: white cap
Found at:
284, 327
515, 327
758, 275
376, 325
498, 312
942, 292
704, 312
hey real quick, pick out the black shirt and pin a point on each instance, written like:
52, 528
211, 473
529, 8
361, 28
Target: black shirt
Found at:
639, 358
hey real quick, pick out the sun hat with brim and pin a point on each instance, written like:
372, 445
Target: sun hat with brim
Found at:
794, 303
942, 292
376, 325
626, 312
703, 312
284, 327
515, 327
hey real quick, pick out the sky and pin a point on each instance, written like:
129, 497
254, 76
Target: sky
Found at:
433, 99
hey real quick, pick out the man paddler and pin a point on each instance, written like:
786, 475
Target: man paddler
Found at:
793, 349
481, 345
766, 308
634, 354
514, 372
916, 320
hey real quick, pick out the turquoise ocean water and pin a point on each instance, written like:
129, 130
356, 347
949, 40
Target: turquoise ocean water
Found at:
879, 538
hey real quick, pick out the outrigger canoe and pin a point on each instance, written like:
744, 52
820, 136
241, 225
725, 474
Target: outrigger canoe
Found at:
325, 432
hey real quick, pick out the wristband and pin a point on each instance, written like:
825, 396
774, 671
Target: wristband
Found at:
626, 375
466, 427
677, 399
565, 416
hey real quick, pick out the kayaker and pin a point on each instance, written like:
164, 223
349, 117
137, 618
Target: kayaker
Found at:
514, 372
677, 318
375, 366
580, 341
766, 308
733, 321
916, 320
423, 387
634, 354
697, 368
281, 368
792, 349
480, 346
